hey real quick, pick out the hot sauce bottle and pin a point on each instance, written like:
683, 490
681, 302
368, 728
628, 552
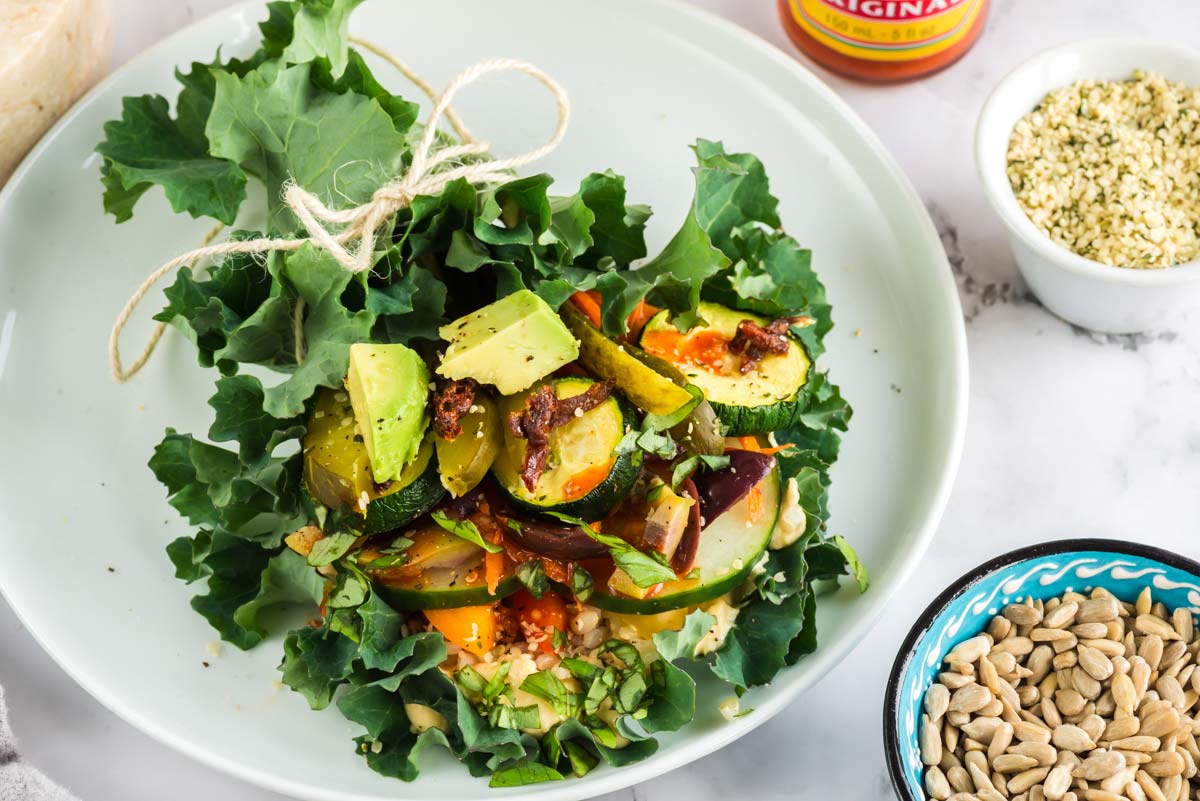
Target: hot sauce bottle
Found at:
884, 40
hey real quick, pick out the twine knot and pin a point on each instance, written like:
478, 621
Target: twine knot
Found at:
349, 235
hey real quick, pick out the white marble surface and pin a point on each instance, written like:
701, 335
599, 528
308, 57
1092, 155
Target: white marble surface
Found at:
1070, 434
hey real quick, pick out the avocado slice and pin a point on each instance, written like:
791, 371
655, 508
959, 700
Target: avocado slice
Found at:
389, 391
510, 343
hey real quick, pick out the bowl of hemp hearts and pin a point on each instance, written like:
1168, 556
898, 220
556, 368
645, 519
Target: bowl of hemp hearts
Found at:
1090, 155
1065, 671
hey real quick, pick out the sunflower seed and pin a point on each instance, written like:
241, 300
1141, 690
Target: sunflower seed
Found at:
1022, 614
1043, 753
937, 701
1013, 763
1121, 728
1002, 738
1149, 624
1058, 781
1098, 666
1149, 786
1100, 766
960, 780
982, 729
1140, 674
1165, 763
1090, 631
1184, 624
958, 718
1173, 652
977, 767
1017, 646
1108, 648
1124, 693
1067, 659
1092, 794
1138, 743
1085, 684
931, 743
1002, 661
969, 651
1028, 732
1169, 689
1093, 726
1098, 610
1159, 722
970, 698
954, 680
1069, 702
1061, 616
1072, 738
1038, 663
1023, 781
1172, 787
999, 628
936, 784
950, 735
1144, 602
1189, 762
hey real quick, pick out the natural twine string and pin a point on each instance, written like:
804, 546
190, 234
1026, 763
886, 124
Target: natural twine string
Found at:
349, 234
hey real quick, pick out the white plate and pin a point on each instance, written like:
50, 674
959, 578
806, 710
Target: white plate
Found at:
646, 79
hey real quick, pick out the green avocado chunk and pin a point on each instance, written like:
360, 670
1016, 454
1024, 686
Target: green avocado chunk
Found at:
389, 390
510, 343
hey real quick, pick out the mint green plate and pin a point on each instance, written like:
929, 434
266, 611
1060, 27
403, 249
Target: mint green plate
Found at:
75, 496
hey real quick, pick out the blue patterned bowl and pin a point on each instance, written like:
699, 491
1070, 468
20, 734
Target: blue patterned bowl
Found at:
964, 609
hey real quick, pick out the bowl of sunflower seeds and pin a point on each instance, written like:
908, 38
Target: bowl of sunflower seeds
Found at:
1065, 671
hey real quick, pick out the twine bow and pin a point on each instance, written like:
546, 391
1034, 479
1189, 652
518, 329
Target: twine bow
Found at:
349, 235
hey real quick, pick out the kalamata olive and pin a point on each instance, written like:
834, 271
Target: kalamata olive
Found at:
720, 489
556, 540
685, 555
462, 507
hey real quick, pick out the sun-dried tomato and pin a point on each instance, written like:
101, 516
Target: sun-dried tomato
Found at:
544, 411
453, 400
754, 341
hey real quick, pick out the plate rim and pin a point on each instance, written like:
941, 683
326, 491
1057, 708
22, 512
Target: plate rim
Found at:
786, 692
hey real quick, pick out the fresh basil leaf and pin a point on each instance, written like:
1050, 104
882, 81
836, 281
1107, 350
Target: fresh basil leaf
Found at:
643, 569
466, 530
582, 583
532, 574
331, 547
523, 773
548, 687
503, 716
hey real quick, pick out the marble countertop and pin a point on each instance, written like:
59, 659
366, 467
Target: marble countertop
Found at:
1070, 434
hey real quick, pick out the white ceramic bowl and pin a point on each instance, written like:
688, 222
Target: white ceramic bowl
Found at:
1114, 300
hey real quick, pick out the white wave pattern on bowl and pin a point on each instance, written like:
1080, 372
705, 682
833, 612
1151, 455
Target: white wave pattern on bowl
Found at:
1085, 569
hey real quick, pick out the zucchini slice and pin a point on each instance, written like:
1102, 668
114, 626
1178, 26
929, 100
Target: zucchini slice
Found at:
584, 476
466, 459
767, 398
337, 471
730, 546
441, 571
